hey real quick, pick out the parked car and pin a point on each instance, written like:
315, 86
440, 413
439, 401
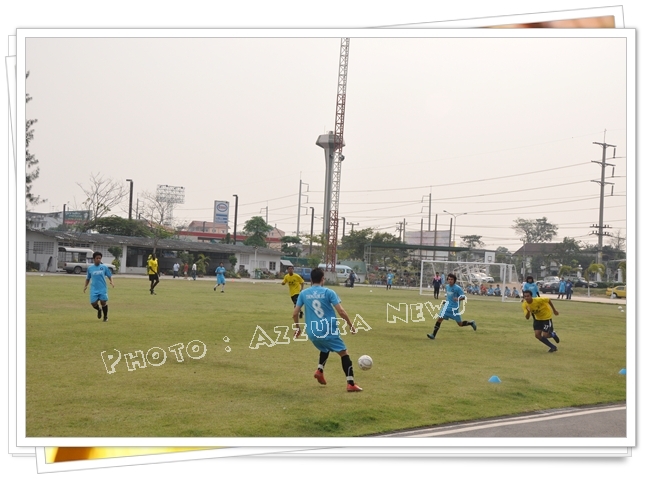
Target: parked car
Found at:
78, 268
305, 273
617, 291
551, 279
550, 287
583, 283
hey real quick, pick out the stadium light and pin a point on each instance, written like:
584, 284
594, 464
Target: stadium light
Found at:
455, 216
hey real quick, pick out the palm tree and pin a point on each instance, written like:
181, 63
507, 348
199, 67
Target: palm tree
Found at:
595, 268
202, 263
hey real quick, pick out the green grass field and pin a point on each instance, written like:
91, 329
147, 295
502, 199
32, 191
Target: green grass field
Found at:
270, 391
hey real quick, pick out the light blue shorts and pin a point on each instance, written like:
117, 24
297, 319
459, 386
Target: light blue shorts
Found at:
447, 312
221, 280
96, 296
328, 344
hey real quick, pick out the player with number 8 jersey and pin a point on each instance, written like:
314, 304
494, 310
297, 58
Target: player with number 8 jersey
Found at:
322, 329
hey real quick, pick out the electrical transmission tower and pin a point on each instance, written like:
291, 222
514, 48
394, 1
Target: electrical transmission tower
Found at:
602, 184
331, 247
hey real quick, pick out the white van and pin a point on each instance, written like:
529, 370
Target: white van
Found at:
343, 272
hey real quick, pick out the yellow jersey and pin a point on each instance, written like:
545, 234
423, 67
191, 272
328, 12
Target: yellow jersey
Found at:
295, 283
540, 308
152, 266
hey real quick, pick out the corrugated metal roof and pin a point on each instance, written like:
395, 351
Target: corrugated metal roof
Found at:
145, 242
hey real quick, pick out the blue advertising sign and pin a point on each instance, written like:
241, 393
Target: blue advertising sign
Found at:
221, 212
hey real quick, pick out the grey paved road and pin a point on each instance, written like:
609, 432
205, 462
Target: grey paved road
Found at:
593, 421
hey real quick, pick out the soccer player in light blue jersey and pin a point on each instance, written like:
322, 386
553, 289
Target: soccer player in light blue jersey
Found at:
98, 293
532, 287
220, 277
390, 277
321, 326
451, 307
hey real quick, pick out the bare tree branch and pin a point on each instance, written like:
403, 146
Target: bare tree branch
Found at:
102, 195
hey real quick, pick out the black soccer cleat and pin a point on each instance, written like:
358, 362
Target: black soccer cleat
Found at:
105, 319
552, 350
430, 336
555, 337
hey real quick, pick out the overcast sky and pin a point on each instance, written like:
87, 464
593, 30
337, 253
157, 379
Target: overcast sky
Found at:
498, 128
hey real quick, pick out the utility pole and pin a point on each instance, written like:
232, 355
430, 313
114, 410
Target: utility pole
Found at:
429, 195
130, 201
602, 183
343, 229
421, 238
311, 232
404, 230
353, 224
235, 216
300, 195
266, 208
399, 228
435, 234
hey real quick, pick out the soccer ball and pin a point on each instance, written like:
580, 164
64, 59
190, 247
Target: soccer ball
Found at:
365, 362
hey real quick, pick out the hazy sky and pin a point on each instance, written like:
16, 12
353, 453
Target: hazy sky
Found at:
498, 128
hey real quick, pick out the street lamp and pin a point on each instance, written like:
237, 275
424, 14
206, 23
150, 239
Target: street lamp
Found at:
130, 201
455, 216
235, 216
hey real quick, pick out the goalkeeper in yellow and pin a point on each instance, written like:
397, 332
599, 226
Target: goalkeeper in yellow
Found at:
541, 309
296, 285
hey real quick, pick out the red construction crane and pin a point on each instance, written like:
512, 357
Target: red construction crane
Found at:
331, 246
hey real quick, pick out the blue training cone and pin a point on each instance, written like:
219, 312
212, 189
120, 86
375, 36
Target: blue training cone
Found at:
623, 371
494, 379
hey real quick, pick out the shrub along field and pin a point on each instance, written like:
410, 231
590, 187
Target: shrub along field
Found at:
250, 379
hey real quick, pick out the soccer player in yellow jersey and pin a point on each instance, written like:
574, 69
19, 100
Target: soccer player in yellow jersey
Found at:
541, 309
152, 269
296, 285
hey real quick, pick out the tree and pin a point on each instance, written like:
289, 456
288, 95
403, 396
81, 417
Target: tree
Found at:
290, 245
102, 195
385, 256
535, 231
595, 269
502, 255
117, 252
257, 230
232, 260
115, 225
622, 267
352, 245
202, 263
567, 252
31, 162
472, 241
228, 239
155, 211
618, 241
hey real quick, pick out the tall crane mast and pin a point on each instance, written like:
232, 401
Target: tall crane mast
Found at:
331, 245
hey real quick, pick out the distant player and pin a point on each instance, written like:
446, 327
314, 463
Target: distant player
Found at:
220, 277
152, 270
322, 328
389, 279
451, 306
437, 282
531, 286
541, 309
296, 284
98, 293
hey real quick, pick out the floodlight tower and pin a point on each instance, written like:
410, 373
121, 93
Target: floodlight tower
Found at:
168, 196
333, 144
